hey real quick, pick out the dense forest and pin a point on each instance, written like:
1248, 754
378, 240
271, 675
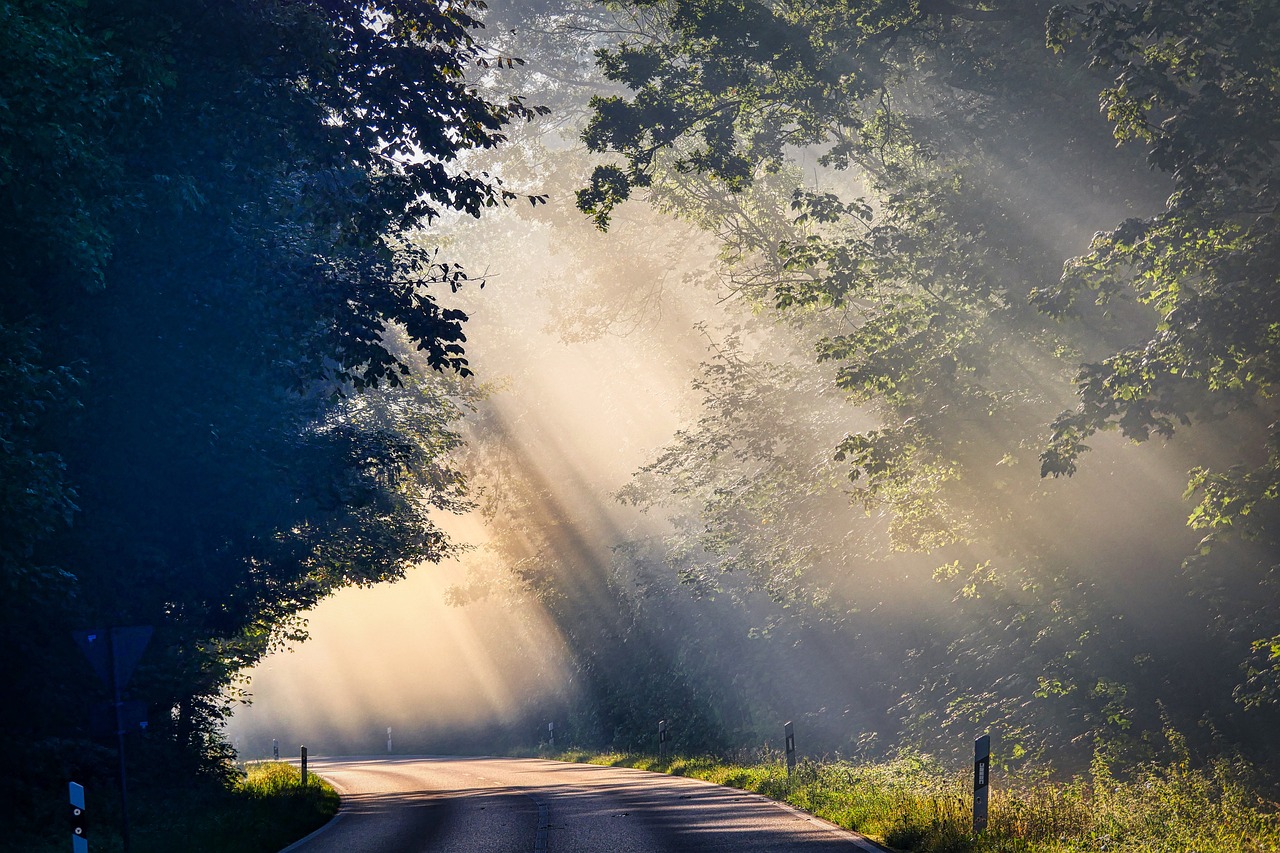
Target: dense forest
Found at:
980, 434
218, 340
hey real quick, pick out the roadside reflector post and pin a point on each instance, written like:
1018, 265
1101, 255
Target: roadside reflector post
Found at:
79, 841
551, 734
790, 733
662, 740
304, 767
275, 749
981, 781
388, 740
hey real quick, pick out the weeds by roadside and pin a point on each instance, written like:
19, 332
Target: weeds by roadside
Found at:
914, 804
264, 809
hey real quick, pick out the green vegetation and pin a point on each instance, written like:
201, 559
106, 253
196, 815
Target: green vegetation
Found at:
984, 433
914, 803
227, 381
265, 810
271, 809
258, 809
907, 500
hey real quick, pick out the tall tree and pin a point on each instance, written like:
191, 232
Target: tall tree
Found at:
974, 164
205, 213
1198, 86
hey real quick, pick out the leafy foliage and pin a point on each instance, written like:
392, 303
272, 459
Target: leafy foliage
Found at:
1196, 86
1200, 94
955, 164
215, 328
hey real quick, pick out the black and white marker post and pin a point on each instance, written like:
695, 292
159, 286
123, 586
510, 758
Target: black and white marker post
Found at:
304, 767
79, 841
662, 740
275, 749
981, 781
790, 733
388, 740
551, 735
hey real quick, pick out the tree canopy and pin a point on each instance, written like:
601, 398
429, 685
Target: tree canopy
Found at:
915, 184
969, 255
218, 338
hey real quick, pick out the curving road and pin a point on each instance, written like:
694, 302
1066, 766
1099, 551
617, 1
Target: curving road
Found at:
505, 805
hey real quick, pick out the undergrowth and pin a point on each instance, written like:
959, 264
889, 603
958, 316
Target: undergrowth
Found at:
267, 809
259, 810
913, 803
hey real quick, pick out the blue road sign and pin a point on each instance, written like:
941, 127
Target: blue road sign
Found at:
104, 721
114, 652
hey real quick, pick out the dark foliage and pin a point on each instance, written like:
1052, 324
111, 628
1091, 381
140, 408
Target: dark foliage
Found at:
203, 210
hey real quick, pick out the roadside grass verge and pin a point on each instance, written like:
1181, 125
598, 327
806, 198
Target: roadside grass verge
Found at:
914, 804
264, 809
272, 809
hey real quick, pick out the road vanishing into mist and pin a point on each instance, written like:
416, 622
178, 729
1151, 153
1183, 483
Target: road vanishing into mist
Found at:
505, 805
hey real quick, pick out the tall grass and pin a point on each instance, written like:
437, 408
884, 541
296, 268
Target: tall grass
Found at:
263, 809
266, 808
912, 803
269, 809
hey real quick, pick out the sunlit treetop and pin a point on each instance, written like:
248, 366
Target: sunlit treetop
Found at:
728, 86
1197, 84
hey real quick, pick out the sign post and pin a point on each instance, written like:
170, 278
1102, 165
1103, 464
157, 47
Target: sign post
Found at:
79, 842
981, 781
662, 740
113, 654
790, 733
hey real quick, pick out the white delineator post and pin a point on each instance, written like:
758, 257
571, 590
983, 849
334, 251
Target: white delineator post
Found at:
304, 767
388, 740
551, 735
981, 781
79, 843
662, 740
790, 733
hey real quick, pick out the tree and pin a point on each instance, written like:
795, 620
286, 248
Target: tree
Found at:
205, 217
929, 274
1197, 86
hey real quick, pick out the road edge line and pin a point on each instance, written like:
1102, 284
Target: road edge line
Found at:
859, 840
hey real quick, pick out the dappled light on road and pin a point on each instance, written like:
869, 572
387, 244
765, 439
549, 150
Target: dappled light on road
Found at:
478, 805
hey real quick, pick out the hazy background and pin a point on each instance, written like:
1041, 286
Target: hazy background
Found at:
584, 401
663, 530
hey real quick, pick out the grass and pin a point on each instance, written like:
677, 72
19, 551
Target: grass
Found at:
266, 810
914, 804
263, 810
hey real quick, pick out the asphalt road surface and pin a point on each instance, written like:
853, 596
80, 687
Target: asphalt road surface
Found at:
505, 805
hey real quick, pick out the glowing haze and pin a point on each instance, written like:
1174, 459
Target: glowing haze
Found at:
582, 409
589, 345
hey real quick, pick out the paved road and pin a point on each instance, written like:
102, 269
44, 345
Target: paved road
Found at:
503, 805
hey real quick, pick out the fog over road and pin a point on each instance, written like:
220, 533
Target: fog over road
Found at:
503, 805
